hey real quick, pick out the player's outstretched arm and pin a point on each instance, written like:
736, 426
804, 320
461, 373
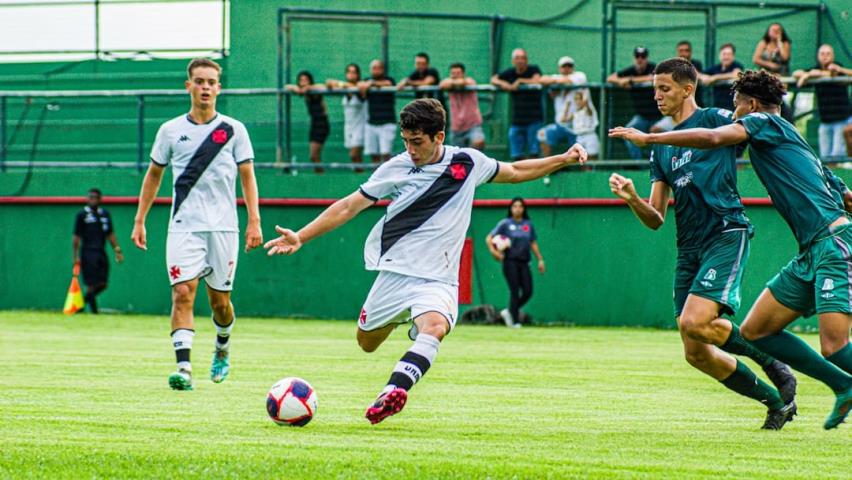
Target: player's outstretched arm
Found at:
651, 213
704, 138
254, 235
526, 170
150, 186
334, 216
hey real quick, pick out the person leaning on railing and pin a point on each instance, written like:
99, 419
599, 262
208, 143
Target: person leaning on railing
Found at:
560, 130
354, 112
381, 113
835, 111
465, 116
316, 109
718, 76
527, 111
772, 52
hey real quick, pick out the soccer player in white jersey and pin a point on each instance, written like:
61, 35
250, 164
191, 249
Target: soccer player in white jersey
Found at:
207, 150
416, 246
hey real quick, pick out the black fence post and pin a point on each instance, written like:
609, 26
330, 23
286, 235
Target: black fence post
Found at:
140, 132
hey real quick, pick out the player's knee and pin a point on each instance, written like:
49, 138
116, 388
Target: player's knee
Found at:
220, 305
697, 358
182, 294
436, 328
694, 327
367, 345
749, 331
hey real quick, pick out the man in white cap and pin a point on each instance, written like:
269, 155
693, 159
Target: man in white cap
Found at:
560, 130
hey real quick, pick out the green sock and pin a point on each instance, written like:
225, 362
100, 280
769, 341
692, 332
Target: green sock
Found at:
842, 358
737, 345
793, 351
745, 382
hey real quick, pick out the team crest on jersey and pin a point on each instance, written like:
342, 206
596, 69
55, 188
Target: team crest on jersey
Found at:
362, 319
220, 136
827, 285
458, 171
174, 272
711, 275
683, 160
684, 180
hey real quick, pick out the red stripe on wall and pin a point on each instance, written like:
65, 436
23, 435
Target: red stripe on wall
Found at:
324, 202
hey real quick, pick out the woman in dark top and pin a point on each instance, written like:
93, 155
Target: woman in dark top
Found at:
317, 111
773, 51
520, 231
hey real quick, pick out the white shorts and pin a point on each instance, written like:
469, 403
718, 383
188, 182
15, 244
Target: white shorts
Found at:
353, 133
212, 255
394, 294
378, 139
590, 142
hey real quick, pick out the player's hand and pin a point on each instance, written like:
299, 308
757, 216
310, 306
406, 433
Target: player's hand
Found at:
637, 137
576, 154
138, 236
541, 267
254, 236
119, 256
75, 270
622, 187
498, 255
287, 244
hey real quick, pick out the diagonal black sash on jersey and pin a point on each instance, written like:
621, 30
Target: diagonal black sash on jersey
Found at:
207, 151
436, 196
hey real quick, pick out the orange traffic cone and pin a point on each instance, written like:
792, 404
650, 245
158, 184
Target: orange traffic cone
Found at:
74, 300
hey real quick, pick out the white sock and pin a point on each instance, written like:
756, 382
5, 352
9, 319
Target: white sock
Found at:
415, 363
182, 341
223, 334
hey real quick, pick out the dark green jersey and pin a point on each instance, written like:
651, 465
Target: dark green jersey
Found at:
801, 191
704, 183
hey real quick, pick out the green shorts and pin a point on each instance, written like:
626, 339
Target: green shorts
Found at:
714, 272
817, 280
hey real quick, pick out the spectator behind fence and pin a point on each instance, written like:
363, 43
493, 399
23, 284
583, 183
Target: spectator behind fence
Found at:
560, 130
381, 113
527, 109
423, 75
584, 122
646, 114
847, 132
354, 113
720, 74
683, 49
92, 228
833, 105
316, 109
465, 117
773, 51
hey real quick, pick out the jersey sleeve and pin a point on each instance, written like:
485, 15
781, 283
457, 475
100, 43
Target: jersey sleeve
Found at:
243, 151
485, 168
379, 185
758, 127
78, 225
655, 170
721, 116
109, 229
834, 181
161, 152
533, 236
499, 229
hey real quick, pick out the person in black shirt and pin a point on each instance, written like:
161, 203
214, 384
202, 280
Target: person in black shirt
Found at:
422, 76
92, 228
317, 111
381, 113
527, 105
684, 50
647, 115
835, 112
720, 75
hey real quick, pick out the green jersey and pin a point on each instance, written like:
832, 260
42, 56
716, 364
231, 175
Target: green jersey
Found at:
704, 183
803, 191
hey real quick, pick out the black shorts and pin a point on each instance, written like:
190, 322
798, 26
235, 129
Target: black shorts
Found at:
319, 129
94, 266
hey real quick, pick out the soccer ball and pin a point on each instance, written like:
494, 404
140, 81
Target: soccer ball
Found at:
501, 242
291, 401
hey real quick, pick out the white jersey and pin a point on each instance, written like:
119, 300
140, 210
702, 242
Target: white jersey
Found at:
422, 232
354, 110
204, 162
564, 99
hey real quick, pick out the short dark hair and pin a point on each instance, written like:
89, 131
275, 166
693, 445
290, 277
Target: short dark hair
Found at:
523, 204
760, 85
425, 115
681, 70
306, 74
728, 45
96, 191
202, 62
457, 65
685, 42
356, 67
423, 55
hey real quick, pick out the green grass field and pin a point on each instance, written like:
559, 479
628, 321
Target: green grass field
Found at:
86, 397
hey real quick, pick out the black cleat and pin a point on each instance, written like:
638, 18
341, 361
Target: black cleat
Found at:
782, 377
775, 419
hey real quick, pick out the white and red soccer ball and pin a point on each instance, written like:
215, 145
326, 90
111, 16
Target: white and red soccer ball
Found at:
501, 242
291, 401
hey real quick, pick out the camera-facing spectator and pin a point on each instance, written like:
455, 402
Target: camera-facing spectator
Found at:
381, 113
584, 122
772, 52
647, 115
316, 110
465, 117
423, 75
718, 76
527, 111
354, 112
684, 50
92, 229
560, 130
835, 112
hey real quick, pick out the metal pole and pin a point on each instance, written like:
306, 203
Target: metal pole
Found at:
819, 13
279, 122
288, 147
224, 26
97, 29
140, 132
2, 134
385, 48
602, 103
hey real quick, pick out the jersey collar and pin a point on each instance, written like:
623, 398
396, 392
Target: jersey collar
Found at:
190, 120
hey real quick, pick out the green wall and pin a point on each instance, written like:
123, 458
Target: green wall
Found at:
604, 268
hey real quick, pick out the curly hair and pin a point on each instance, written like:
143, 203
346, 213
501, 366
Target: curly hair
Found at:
760, 85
